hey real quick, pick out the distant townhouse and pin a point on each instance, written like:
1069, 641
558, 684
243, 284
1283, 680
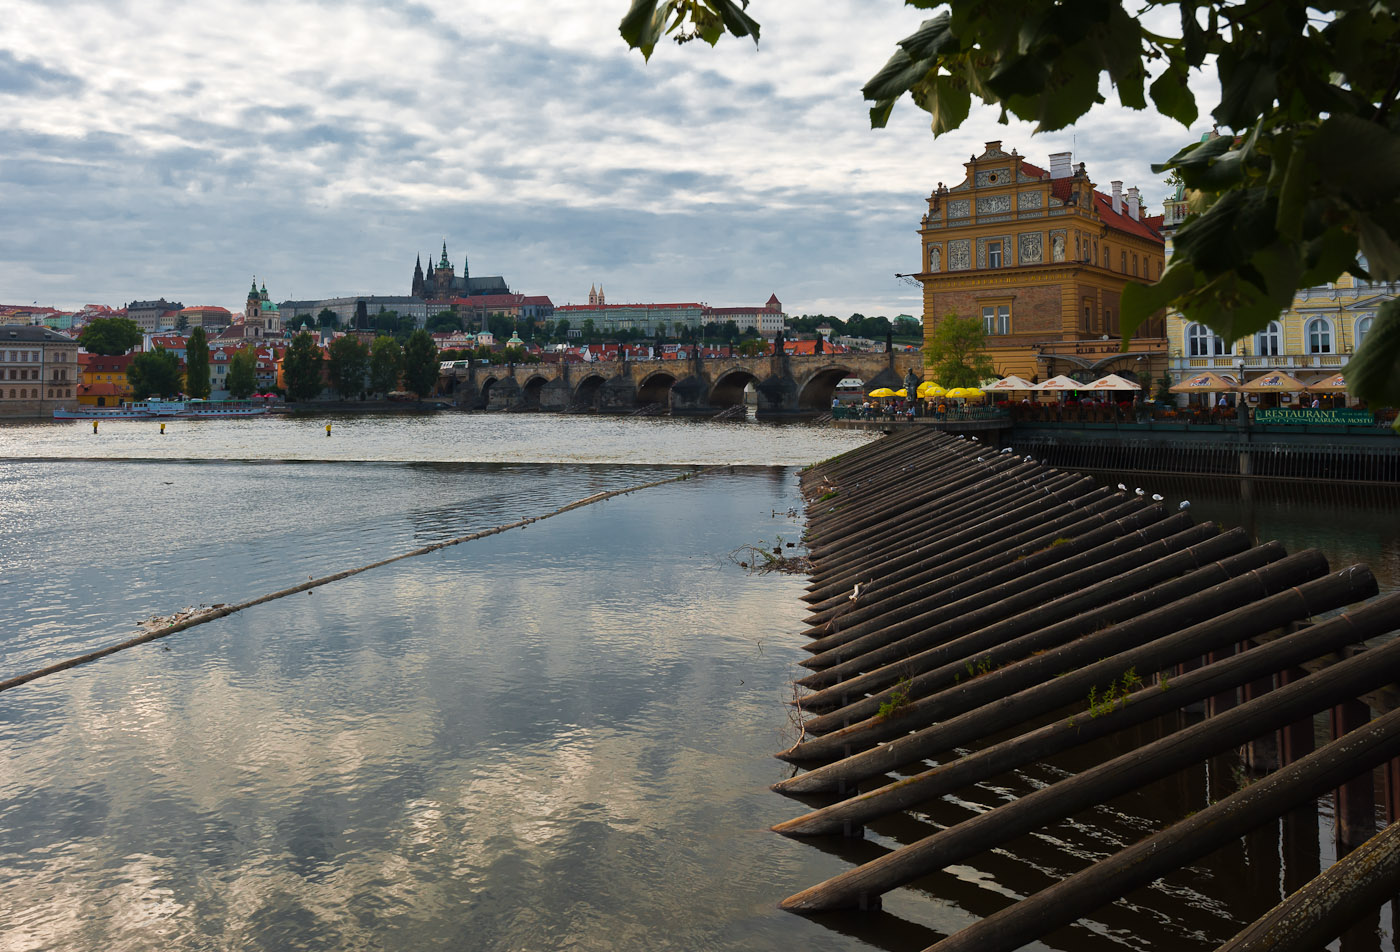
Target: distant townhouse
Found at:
209, 317
768, 320
38, 370
104, 380
154, 315
358, 312
649, 319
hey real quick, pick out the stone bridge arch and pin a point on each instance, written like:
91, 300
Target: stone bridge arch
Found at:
531, 392
589, 391
728, 389
655, 388
815, 392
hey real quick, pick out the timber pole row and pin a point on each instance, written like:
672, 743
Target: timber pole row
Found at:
960, 592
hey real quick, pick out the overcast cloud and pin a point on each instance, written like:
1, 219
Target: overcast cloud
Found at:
154, 148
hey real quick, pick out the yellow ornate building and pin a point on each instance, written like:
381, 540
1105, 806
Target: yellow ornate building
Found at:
1042, 257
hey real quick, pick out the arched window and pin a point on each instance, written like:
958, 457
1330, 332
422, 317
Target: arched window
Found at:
1319, 336
1269, 341
1363, 327
1200, 342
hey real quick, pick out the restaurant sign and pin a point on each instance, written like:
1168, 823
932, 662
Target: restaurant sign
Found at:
1270, 415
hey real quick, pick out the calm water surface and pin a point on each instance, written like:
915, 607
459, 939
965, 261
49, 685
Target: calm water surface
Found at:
553, 738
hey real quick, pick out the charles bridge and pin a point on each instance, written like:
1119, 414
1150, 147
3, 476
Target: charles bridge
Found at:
786, 384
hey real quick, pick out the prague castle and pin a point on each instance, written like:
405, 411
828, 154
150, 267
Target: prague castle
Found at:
441, 283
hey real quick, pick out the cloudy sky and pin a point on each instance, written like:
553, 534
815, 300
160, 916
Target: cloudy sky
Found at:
153, 148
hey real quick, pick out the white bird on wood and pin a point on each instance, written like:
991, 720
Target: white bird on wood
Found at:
1185, 504
1007, 450
1122, 487
980, 460
855, 592
1138, 491
1156, 497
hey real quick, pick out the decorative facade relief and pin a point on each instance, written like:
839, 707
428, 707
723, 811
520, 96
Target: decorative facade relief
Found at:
960, 208
960, 255
992, 177
1030, 247
993, 204
1057, 245
935, 257
1028, 200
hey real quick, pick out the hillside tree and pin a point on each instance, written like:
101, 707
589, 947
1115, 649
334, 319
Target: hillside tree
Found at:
197, 364
242, 378
347, 366
110, 336
956, 352
301, 368
420, 364
155, 372
385, 365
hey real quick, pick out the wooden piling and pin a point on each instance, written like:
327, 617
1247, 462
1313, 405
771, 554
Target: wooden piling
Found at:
1181, 843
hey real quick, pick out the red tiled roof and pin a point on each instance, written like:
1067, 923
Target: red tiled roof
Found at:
1120, 221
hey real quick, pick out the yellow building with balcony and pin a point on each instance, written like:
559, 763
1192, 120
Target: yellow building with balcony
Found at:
1316, 337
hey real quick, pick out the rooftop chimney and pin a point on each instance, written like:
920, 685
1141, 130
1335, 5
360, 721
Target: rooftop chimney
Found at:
1133, 210
1117, 197
1060, 164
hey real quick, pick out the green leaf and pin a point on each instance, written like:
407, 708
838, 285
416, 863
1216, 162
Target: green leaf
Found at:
880, 113
1374, 372
1380, 248
1248, 86
643, 25
1292, 194
736, 21
946, 100
1141, 301
1172, 96
895, 78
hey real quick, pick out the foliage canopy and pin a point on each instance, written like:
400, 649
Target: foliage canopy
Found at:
197, 364
347, 366
956, 352
242, 378
385, 365
110, 336
1303, 184
420, 364
301, 368
154, 372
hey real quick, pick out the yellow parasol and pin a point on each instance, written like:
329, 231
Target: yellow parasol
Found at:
965, 393
901, 392
882, 392
929, 389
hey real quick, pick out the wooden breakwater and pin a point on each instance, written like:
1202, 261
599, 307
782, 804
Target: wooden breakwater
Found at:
975, 611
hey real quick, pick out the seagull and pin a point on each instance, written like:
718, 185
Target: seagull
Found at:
1156, 497
980, 460
1007, 450
974, 439
1122, 488
1138, 491
1185, 504
855, 592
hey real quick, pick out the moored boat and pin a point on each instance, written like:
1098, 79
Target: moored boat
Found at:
165, 409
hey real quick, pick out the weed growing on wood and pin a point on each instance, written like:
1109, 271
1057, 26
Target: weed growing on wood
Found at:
896, 702
829, 494
1116, 696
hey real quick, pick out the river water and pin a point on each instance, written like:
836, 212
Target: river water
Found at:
557, 737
